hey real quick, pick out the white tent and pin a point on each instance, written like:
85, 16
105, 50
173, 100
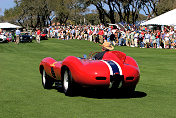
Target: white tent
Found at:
168, 18
8, 25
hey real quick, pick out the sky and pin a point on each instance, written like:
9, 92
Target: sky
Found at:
6, 4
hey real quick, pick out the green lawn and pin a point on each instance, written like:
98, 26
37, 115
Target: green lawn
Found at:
22, 95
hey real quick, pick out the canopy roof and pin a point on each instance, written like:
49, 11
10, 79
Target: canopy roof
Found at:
8, 25
168, 18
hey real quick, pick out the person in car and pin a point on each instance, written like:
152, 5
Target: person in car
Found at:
106, 46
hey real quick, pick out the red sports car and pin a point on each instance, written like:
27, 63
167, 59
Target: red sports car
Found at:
114, 71
43, 37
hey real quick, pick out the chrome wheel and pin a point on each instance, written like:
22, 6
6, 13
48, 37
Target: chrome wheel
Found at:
47, 81
68, 84
44, 78
66, 81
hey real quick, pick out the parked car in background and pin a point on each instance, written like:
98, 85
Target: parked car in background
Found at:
3, 38
26, 37
117, 26
43, 36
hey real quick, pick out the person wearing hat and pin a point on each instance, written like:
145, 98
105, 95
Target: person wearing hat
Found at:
106, 46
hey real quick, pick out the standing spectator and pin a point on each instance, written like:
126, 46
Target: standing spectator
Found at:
64, 34
51, 33
174, 40
158, 38
141, 36
94, 35
123, 38
13, 36
105, 35
166, 39
17, 36
128, 37
171, 35
174, 44
59, 34
45, 31
147, 38
38, 36
68, 34
108, 36
136, 35
97, 38
162, 39
132, 39
153, 40
101, 33
116, 37
128, 27
90, 35
85, 34
112, 39
119, 38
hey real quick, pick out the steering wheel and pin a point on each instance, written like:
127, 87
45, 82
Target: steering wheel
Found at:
91, 54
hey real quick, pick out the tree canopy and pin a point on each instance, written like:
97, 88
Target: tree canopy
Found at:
42, 13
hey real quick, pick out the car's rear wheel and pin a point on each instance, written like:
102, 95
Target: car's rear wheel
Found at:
68, 83
47, 82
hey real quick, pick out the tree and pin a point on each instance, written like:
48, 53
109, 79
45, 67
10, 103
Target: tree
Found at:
99, 6
1, 19
41, 13
164, 6
9, 15
67, 9
32, 13
92, 18
128, 10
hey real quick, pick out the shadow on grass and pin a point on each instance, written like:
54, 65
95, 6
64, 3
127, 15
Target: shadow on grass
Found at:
108, 94
104, 94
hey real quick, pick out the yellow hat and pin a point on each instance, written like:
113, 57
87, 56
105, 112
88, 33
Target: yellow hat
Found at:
107, 45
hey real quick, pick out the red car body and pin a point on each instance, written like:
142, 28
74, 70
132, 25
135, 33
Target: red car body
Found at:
115, 70
43, 36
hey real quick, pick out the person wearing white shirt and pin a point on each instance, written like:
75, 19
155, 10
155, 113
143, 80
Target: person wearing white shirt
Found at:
136, 39
17, 36
147, 38
166, 40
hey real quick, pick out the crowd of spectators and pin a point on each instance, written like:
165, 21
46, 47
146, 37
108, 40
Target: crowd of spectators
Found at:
127, 35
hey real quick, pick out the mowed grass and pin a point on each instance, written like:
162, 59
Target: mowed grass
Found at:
22, 94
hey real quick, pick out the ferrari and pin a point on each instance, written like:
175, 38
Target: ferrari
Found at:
115, 71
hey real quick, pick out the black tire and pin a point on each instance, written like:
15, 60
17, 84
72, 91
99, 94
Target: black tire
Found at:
68, 83
47, 82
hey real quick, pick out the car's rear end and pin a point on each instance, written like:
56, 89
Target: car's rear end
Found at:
3, 39
25, 38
